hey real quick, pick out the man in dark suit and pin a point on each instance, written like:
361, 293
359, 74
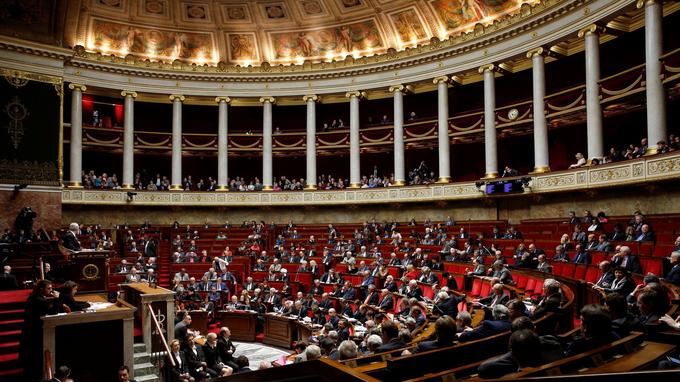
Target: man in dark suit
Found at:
7, 280
499, 324
225, 348
386, 302
372, 296
196, 364
390, 284
626, 260
316, 288
673, 276
124, 374
581, 256
272, 298
333, 318
445, 330
150, 247
325, 302
426, 276
603, 245
645, 234
182, 329
41, 302
249, 285
348, 292
605, 281
552, 300
414, 291
390, 337
330, 277
70, 238
622, 283
299, 311
494, 298
447, 305
212, 355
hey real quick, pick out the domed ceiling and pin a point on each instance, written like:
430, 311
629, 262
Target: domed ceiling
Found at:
248, 32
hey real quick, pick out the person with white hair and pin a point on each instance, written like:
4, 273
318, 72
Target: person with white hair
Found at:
626, 260
373, 342
348, 349
552, 299
673, 276
312, 352
70, 239
414, 291
499, 324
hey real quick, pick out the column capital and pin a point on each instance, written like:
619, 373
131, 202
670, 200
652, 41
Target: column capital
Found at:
356, 93
453, 80
179, 97
488, 68
397, 88
540, 51
74, 86
269, 99
222, 98
130, 93
643, 3
310, 97
591, 29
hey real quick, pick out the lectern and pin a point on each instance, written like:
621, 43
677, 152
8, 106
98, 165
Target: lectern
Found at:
81, 340
90, 269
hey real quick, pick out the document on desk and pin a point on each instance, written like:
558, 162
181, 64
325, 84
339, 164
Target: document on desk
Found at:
95, 306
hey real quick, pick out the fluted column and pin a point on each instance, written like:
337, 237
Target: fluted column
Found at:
176, 181
310, 100
129, 139
443, 126
490, 153
354, 149
398, 95
541, 156
591, 34
76, 134
222, 130
267, 179
656, 94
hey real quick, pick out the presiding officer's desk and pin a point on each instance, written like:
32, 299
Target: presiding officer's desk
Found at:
81, 340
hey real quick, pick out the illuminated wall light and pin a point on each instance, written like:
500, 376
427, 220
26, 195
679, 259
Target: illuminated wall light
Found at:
329, 56
299, 60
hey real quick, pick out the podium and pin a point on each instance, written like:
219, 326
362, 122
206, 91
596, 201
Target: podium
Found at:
242, 324
279, 331
163, 304
90, 269
103, 338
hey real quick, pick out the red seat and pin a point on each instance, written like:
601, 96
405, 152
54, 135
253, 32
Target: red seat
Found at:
531, 284
557, 268
598, 256
592, 274
521, 281
568, 270
462, 306
476, 287
652, 265
580, 272
460, 282
646, 248
486, 289
538, 289
662, 250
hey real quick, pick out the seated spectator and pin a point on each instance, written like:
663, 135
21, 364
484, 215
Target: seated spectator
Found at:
622, 321
673, 275
581, 256
348, 350
596, 331
652, 302
560, 254
580, 161
626, 260
502, 274
605, 281
621, 284
500, 323
390, 336
552, 299
495, 297
543, 265
645, 234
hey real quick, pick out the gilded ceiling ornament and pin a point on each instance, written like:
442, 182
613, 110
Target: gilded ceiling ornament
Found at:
16, 81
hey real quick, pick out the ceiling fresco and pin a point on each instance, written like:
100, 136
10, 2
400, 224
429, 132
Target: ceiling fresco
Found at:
247, 32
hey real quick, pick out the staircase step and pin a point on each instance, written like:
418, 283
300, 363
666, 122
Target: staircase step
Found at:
141, 357
9, 361
8, 335
11, 324
9, 347
10, 314
144, 368
139, 347
147, 378
11, 375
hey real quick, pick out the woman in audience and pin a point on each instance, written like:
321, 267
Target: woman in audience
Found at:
67, 296
596, 331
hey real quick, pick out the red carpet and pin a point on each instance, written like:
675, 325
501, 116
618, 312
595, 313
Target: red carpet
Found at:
14, 296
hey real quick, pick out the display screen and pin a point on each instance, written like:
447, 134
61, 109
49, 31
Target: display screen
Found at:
504, 187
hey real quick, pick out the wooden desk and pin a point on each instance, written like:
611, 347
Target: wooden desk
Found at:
279, 331
90, 269
163, 303
241, 323
103, 338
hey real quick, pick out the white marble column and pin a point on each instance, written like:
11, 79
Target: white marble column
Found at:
443, 128
76, 166
267, 178
310, 100
591, 34
398, 95
354, 149
129, 139
541, 156
490, 153
656, 94
222, 131
176, 177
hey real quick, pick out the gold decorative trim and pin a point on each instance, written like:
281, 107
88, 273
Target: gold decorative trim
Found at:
487, 67
590, 29
354, 185
444, 180
174, 97
76, 185
128, 187
540, 170
399, 183
310, 187
444, 79
176, 187
310, 97
74, 86
397, 88
540, 51
130, 93
222, 98
267, 188
222, 188
355, 93
490, 175
269, 99
643, 3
